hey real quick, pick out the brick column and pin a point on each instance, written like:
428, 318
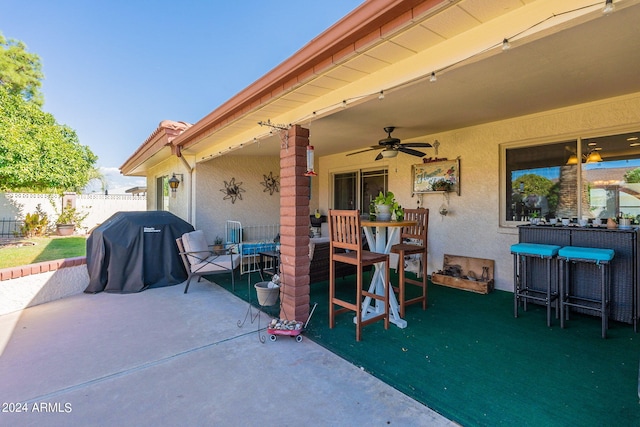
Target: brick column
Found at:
294, 226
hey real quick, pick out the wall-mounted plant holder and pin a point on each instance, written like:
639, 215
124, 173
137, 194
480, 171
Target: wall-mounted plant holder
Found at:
441, 176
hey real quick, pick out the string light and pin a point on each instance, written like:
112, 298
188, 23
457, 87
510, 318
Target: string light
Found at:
505, 45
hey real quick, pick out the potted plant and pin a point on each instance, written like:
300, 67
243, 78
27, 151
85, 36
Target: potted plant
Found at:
442, 184
218, 247
383, 203
626, 220
387, 207
68, 220
535, 218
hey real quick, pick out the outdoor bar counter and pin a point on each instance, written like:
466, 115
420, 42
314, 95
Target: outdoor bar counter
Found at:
625, 274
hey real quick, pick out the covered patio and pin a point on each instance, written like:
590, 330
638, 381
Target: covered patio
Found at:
477, 80
436, 71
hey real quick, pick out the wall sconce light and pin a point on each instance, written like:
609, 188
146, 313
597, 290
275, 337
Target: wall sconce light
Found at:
310, 154
174, 183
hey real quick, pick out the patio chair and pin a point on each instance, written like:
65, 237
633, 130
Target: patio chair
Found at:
413, 240
200, 260
346, 234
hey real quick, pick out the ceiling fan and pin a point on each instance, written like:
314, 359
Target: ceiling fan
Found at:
391, 146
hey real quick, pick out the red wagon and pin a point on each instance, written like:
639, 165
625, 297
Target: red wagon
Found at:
292, 328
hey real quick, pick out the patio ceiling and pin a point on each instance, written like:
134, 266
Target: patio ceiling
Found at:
566, 59
596, 59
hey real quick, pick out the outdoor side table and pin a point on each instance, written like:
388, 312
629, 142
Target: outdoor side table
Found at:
273, 257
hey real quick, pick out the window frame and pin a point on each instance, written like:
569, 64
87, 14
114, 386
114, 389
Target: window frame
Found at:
162, 193
580, 138
359, 175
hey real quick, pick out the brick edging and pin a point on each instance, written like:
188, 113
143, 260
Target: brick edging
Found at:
40, 267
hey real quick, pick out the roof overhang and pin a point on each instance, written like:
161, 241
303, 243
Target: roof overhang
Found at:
157, 148
563, 53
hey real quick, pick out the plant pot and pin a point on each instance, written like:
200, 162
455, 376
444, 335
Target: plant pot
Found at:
65, 229
383, 212
266, 296
625, 222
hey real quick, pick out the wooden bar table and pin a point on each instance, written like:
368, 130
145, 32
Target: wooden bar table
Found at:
380, 236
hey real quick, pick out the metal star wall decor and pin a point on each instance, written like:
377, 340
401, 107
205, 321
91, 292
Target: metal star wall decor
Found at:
232, 190
271, 184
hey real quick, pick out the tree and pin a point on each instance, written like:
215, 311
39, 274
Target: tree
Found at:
20, 71
37, 153
632, 176
533, 184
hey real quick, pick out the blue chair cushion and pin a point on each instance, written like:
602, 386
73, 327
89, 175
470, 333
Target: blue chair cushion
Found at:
535, 249
596, 255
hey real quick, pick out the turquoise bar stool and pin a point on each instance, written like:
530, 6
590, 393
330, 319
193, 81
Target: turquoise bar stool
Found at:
602, 259
523, 291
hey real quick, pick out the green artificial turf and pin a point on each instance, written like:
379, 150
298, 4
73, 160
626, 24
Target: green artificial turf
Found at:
469, 359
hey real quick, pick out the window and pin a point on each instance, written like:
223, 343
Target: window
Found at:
356, 190
542, 180
162, 193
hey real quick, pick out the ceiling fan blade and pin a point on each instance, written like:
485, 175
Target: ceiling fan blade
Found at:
410, 151
379, 156
417, 144
371, 148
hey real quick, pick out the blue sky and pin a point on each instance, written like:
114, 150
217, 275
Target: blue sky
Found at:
114, 69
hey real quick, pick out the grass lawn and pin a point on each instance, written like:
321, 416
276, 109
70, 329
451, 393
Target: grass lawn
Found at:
40, 249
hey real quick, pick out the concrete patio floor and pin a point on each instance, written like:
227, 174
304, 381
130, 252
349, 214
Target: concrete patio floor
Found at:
160, 357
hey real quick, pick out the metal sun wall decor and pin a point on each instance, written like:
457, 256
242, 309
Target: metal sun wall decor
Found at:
232, 190
271, 184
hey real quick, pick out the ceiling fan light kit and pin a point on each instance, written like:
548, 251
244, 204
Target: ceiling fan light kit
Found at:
388, 153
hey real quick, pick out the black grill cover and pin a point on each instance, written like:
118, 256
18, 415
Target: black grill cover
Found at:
133, 251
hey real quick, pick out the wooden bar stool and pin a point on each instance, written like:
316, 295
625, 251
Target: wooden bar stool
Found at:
523, 290
345, 237
569, 298
413, 240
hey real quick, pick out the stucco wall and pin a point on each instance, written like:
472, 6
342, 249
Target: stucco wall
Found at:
472, 226
257, 206
99, 207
